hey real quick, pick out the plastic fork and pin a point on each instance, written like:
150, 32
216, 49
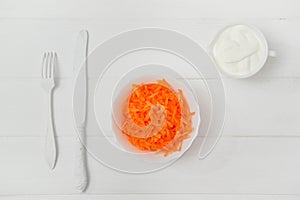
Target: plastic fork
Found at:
48, 84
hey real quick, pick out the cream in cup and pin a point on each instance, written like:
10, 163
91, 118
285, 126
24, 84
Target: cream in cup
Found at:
240, 51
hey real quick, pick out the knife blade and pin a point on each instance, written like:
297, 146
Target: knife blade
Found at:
80, 61
80, 64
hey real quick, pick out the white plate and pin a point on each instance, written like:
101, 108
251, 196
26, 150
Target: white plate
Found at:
112, 59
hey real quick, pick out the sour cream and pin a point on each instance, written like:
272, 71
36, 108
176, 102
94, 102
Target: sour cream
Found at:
240, 50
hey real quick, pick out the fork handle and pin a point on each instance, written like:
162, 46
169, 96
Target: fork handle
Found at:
50, 143
80, 170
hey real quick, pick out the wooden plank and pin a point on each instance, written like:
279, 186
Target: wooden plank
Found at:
255, 107
237, 166
34, 36
154, 196
262, 107
148, 9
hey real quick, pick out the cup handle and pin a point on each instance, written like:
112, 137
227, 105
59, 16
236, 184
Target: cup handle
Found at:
272, 53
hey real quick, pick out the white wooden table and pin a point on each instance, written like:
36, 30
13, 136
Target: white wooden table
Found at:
258, 156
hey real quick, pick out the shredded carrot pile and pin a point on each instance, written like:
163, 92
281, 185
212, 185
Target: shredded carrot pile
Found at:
156, 118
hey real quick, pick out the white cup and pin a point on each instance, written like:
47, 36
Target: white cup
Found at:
263, 42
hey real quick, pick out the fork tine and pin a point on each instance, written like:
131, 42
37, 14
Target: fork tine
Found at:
53, 64
49, 64
44, 65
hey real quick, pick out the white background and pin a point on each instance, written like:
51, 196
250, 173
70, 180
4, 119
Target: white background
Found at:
258, 156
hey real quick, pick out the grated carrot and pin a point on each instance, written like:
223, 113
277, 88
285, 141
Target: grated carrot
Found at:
156, 118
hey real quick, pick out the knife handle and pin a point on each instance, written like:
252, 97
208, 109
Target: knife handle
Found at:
80, 170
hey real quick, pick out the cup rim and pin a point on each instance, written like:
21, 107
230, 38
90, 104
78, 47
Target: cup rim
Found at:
261, 37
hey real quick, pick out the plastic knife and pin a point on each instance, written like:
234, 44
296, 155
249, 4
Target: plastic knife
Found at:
80, 63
